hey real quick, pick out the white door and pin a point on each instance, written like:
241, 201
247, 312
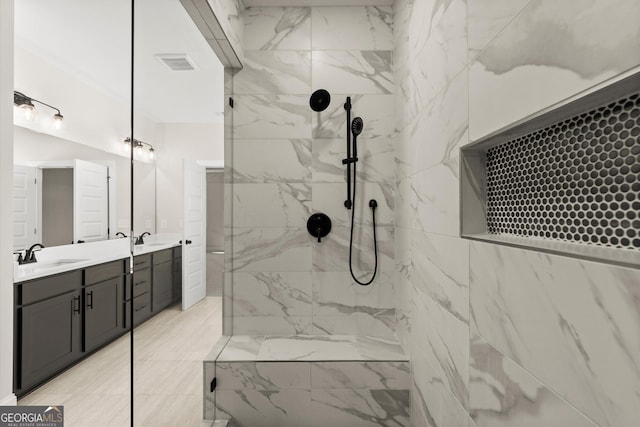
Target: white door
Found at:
25, 228
90, 202
193, 244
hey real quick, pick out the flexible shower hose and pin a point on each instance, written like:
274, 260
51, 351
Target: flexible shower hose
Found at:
373, 206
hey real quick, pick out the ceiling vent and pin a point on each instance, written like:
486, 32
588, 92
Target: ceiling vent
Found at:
177, 62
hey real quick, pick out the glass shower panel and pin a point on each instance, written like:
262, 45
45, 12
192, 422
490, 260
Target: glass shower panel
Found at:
178, 135
72, 85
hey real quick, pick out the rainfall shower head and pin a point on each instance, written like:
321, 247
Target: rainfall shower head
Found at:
356, 126
319, 100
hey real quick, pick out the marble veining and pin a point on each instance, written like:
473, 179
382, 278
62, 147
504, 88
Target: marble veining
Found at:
547, 54
277, 294
277, 28
241, 347
576, 46
437, 199
352, 28
371, 375
272, 116
503, 394
525, 302
442, 127
274, 72
439, 48
356, 323
329, 256
337, 293
271, 160
286, 325
311, 348
443, 347
271, 249
329, 198
487, 19
265, 408
263, 375
359, 408
375, 160
271, 205
349, 72
376, 111
442, 268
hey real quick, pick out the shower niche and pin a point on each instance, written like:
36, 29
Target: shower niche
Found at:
565, 180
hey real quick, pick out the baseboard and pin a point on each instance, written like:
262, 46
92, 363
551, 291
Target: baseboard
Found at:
9, 400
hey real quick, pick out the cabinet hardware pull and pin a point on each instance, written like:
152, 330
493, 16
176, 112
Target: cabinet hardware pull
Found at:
140, 283
90, 300
140, 307
76, 307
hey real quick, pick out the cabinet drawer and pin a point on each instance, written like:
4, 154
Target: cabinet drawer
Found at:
102, 272
141, 261
141, 282
141, 309
162, 256
47, 287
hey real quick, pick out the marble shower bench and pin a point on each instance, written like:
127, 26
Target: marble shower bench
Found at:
307, 381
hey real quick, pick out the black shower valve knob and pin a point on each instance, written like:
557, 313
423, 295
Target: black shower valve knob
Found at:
319, 225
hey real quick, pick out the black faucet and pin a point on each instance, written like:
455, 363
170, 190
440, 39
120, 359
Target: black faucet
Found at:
29, 254
120, 233
140, 238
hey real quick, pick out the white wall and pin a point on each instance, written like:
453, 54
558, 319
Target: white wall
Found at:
192, 141
6, 180
91, 116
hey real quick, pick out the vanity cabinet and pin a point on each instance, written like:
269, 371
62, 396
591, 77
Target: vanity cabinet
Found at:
141, 295
61, 318
162, 294
177, 273
103, 303
48, 327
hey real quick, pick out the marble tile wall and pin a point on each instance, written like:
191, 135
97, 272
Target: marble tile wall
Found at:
286, 165
500, 336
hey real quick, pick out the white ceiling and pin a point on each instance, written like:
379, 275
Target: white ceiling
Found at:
254, 3
91, 40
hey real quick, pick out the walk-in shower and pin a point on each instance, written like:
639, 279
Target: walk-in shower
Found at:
319, 101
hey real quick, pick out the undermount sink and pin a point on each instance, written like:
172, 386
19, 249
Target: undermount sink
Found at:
51, 264
157, 244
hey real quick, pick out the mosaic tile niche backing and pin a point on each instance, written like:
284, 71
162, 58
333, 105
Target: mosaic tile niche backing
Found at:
577, 180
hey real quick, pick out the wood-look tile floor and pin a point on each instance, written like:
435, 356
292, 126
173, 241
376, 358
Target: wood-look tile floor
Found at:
168, 353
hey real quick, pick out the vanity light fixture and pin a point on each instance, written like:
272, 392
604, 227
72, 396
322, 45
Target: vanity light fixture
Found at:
139, 147
25, 103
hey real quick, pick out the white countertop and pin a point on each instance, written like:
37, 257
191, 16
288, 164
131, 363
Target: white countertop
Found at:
60, 259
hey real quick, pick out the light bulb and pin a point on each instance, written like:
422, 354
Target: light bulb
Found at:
57, 120
138, 148
29, 111
152, 153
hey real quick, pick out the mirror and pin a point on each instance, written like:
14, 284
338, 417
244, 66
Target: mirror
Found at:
73, 60
48, 211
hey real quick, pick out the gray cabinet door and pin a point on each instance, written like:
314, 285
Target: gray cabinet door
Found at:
103, 313
50, 336
162, 286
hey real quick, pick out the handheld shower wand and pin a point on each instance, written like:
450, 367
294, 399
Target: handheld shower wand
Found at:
357, 125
